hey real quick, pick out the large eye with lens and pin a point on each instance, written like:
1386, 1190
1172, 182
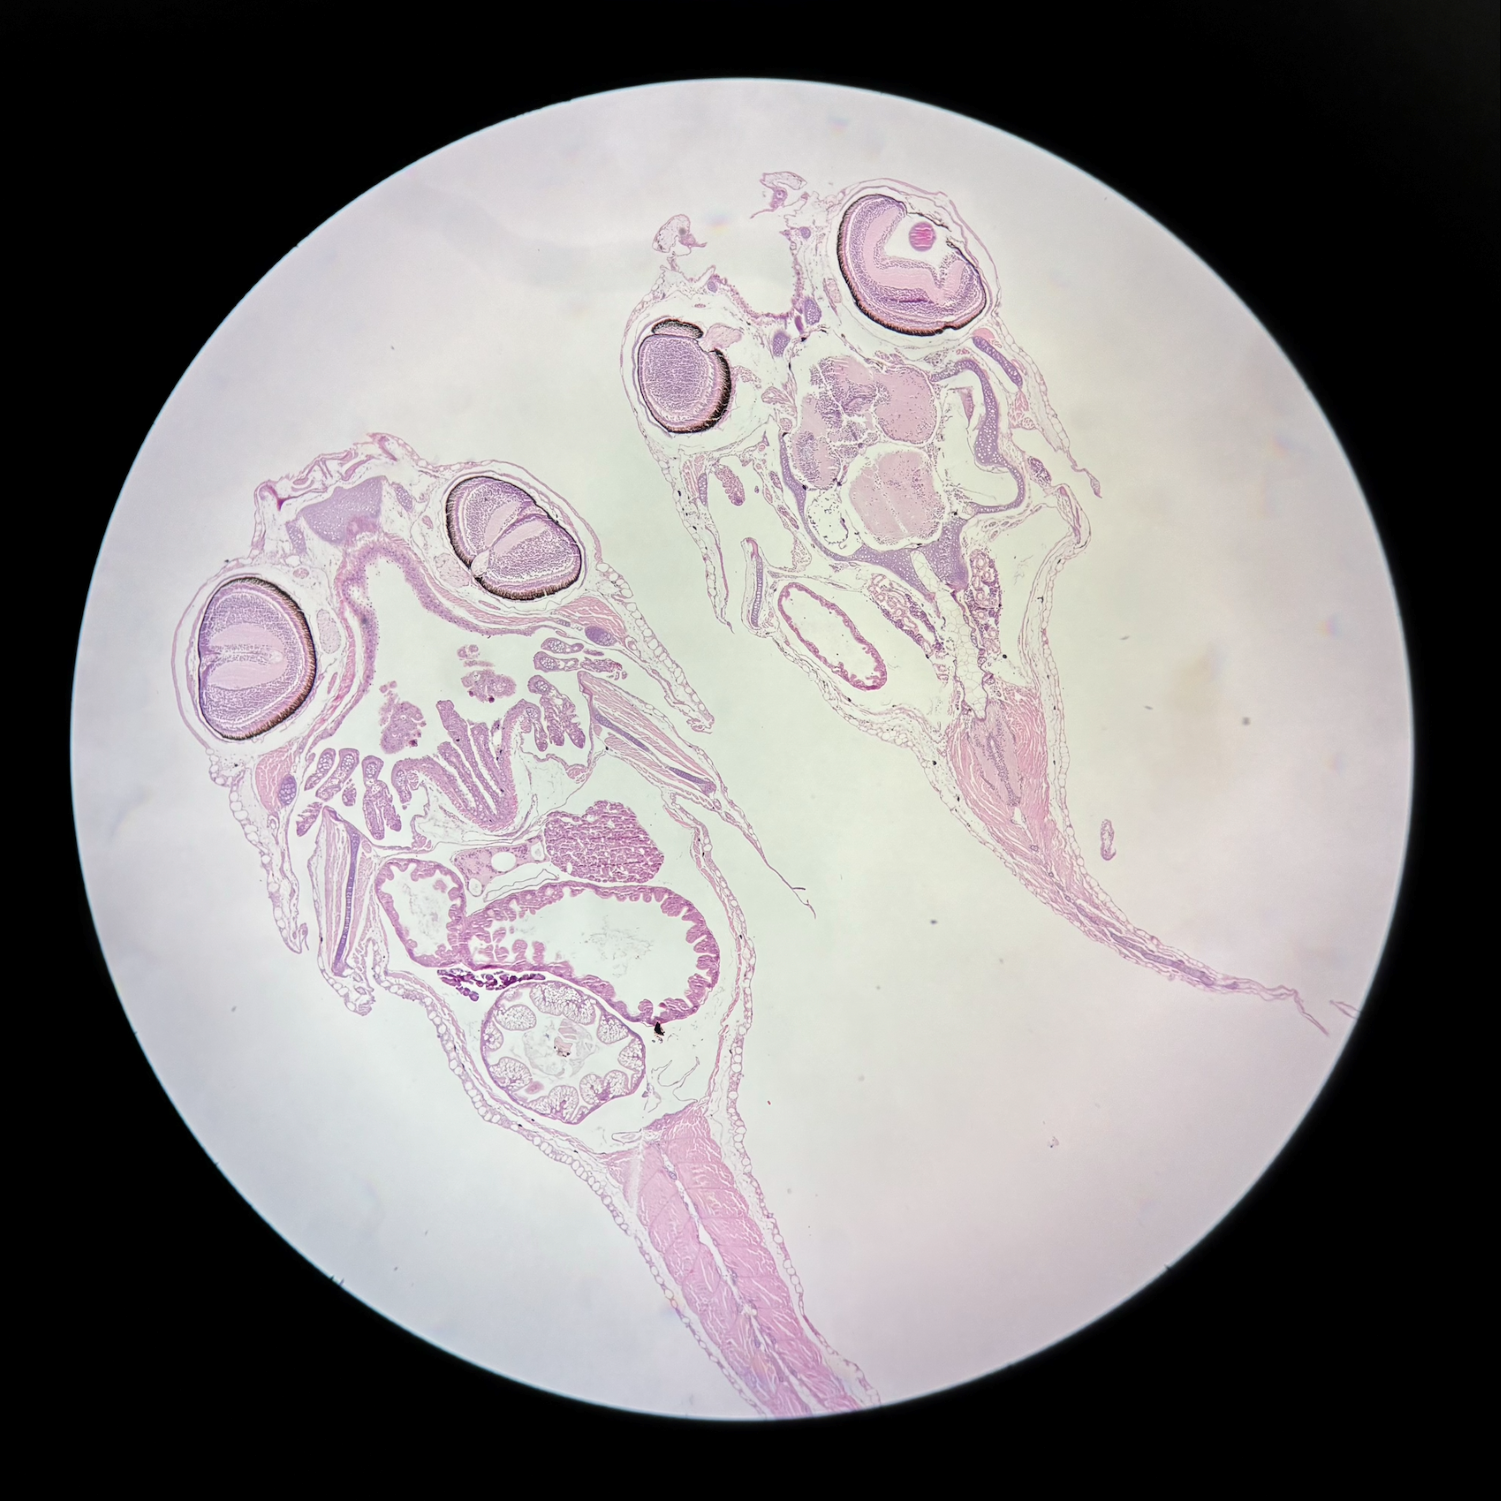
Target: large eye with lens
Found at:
685, 387
256, 663
508, 542
904, 272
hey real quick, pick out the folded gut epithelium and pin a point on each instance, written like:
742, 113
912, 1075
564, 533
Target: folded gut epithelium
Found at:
457, 747
905, 497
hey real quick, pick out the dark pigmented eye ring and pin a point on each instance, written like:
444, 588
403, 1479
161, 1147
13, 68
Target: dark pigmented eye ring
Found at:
256, 662
685, 387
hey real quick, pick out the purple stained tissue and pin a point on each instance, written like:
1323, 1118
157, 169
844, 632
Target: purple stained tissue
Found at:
417, 782
891, 440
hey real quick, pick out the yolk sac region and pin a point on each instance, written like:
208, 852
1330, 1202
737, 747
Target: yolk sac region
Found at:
685, 387
256, 663
906, 295
510, 545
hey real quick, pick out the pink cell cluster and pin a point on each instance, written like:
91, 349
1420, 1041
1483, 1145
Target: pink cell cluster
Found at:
604, 843
401, 725
488, 686
335, 781
566, 656
380, 811
557, 716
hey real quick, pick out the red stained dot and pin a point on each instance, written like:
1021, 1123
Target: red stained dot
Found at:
921, 236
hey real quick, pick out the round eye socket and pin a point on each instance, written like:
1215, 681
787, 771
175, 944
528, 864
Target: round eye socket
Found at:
906, 296
508, 542
256, 663
685, 387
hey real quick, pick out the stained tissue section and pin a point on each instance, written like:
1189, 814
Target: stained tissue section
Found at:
632, 735
401, 726
511, 546
895, 498
733, 489
684, 1192
479, 865
558, 715
346, 513
685, 387
473, 779
274, 785
645, 937
341, 871
488, 686
605, 843
987, 438
349, 758
899, 399
905, 613
380, 811
256, 663
852, 406
570, 658
1001, 766
981, 602
545, 1045
831, 637
321, 770
922, 294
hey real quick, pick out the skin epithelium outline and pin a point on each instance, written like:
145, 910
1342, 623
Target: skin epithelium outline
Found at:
905, 497
444, 725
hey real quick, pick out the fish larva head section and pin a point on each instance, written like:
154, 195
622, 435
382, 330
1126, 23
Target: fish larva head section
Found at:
684, 387
511, 546
256, 660
905, 271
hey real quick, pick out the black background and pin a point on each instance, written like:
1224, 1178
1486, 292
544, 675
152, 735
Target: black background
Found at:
1334, 162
